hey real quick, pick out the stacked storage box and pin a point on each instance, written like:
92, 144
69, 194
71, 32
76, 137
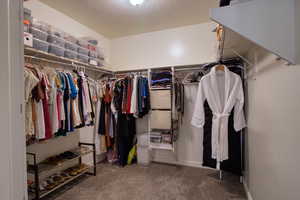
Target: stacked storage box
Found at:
56, 42
52, 40
143, 151
71, 47
83, 51
40, 35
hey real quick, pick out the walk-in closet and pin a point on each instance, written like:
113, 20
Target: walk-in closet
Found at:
149, 99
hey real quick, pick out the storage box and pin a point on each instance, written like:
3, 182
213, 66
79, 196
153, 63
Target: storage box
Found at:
71, 46
39, 34
28, 39
93, 54
143, 155
83, 43
70, 38
160, 119
83, 58
83, 51
71, 54
41, 25
40, 45
56, 50
53, 39
143, 139
160, 99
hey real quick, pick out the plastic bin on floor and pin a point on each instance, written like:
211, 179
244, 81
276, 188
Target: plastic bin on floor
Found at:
143, 151
143, 155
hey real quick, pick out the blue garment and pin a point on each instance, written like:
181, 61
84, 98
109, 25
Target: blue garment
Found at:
73, 88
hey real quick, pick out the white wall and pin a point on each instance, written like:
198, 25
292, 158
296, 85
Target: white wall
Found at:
180, 46
12, 143
272, 149
53, 17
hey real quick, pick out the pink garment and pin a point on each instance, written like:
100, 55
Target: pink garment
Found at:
45, 100
58, 104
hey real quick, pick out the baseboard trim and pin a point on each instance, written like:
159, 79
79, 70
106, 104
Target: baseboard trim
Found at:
249, 196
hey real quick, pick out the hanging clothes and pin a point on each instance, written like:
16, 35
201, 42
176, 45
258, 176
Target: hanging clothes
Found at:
223, 90
30, 82
57, 102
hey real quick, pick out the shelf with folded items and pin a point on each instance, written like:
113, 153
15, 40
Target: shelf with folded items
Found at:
160, 88
47, 192
60, 160
32, 53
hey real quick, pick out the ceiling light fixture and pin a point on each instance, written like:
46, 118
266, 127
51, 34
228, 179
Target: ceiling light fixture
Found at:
136, 2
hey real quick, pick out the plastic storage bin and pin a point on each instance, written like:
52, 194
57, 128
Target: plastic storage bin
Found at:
83, 43
41, 25
143, 151
71, 46
83, 58
53, 39
70, 38
39, 34
83, 51
143, 155
40, 45
93, 54
71, 54
56, 50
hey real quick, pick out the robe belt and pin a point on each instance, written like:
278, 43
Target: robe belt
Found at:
219, 117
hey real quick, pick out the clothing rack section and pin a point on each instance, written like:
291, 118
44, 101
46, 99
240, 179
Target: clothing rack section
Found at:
124, 98
57, 101
30, 53
57, 171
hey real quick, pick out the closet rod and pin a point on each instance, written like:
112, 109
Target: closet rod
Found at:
160, 68
66, 64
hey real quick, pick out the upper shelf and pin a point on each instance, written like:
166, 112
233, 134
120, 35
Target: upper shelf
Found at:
28, 51
270, 24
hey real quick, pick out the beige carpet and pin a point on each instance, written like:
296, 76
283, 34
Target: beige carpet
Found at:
156, 182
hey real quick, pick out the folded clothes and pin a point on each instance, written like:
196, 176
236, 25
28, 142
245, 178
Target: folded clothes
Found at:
161, 75
163, 80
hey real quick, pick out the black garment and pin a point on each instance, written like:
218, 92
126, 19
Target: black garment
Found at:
80, 101
234, 163
126, 131
224, 3
118, 95
101, 127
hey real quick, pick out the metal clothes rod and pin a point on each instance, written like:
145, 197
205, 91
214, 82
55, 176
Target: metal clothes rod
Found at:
67, 64
177, 68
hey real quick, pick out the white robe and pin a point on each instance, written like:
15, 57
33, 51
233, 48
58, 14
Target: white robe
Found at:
223, 90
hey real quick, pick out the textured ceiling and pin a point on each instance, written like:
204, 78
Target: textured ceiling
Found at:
117, 18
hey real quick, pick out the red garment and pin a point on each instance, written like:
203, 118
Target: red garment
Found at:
48, 128
58, 104
129, 94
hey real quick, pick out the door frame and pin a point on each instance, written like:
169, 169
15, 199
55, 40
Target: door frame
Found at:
13, 184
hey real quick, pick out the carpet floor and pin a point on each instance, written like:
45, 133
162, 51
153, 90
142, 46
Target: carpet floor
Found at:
155, 182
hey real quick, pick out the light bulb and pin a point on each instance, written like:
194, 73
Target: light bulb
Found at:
136, 2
